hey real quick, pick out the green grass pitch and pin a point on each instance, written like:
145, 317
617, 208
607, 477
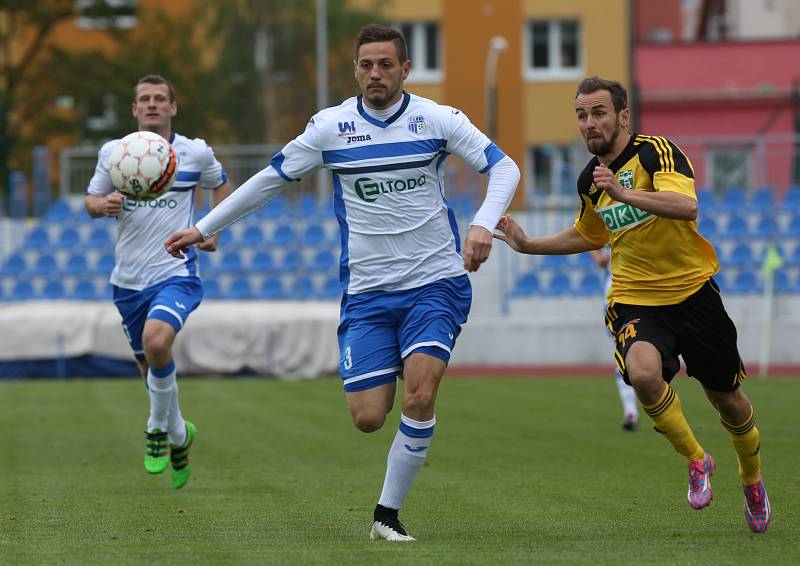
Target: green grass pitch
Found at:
520, 471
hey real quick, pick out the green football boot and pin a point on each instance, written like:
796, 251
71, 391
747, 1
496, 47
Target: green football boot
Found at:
179, 456
156, 457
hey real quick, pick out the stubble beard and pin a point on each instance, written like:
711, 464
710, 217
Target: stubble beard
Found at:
605, 147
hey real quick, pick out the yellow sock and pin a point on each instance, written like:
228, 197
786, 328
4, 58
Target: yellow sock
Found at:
746, 441
669, 421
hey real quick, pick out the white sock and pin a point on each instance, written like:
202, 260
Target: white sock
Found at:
628, 397
159, 389
406, 456
177, 426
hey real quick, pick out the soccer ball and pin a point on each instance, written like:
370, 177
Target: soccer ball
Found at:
143, 166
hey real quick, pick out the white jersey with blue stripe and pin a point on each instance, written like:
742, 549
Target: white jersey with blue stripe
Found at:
397, 228
143, 226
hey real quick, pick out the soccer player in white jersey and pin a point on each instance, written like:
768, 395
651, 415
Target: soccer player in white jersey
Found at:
153, 292
403, 270
630, 409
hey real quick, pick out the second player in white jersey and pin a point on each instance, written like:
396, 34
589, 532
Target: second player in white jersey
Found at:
397, 229
143, 225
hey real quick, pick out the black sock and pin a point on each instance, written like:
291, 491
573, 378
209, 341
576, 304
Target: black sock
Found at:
382, 512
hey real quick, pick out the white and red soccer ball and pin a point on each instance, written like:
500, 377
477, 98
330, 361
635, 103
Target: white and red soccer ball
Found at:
143, 166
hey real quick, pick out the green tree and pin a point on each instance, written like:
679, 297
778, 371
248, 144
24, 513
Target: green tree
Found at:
267, 62
25, 25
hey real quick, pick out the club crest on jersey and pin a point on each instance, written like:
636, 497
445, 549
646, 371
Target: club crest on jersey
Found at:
626, 179
416, 124
347, 128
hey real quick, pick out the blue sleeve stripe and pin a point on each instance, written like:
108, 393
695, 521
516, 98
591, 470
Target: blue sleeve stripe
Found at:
493, 155
276, 163
190, 176
378, 151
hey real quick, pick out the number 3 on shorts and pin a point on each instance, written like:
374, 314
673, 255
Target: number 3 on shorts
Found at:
348, 358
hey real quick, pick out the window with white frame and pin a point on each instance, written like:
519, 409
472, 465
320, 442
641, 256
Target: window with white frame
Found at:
424, 49
551, 168
101, 14
101, 114
729, 167
553, 50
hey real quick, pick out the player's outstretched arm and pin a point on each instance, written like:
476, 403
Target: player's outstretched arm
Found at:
178, 244
567, 241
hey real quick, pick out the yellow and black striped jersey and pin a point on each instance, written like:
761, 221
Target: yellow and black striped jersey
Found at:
654, 260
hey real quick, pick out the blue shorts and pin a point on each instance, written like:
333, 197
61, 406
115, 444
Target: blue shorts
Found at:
379, 329
170, 301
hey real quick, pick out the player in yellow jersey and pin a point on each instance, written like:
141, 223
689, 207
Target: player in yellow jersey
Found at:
638, 194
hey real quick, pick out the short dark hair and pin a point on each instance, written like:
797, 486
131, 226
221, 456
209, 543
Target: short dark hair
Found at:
155, 80
619, 96
374, 33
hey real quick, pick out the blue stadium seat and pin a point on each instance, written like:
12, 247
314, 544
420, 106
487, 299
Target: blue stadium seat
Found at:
53, 290
734, 200
291, 262
76, 264
323, 261
331, 289
253, 235
582, 260
741, 256
554, 261
526, 285
262, 262
276, 209
302, 289
707, 226
590, 284
791, 200
15, 265
38, 239
22, 291
105, 264
231, 263
762, 200
736, 227
211, 288
781, 282
84, 290
46, 264
68, 239
766, 226
202, 210
462, 204
745, 283
240, 289
57, 212
314, 235
305, 207
99, 238
559, 284
225, 238
793, 229
706, 200
271, 289
794, 257
284, 235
